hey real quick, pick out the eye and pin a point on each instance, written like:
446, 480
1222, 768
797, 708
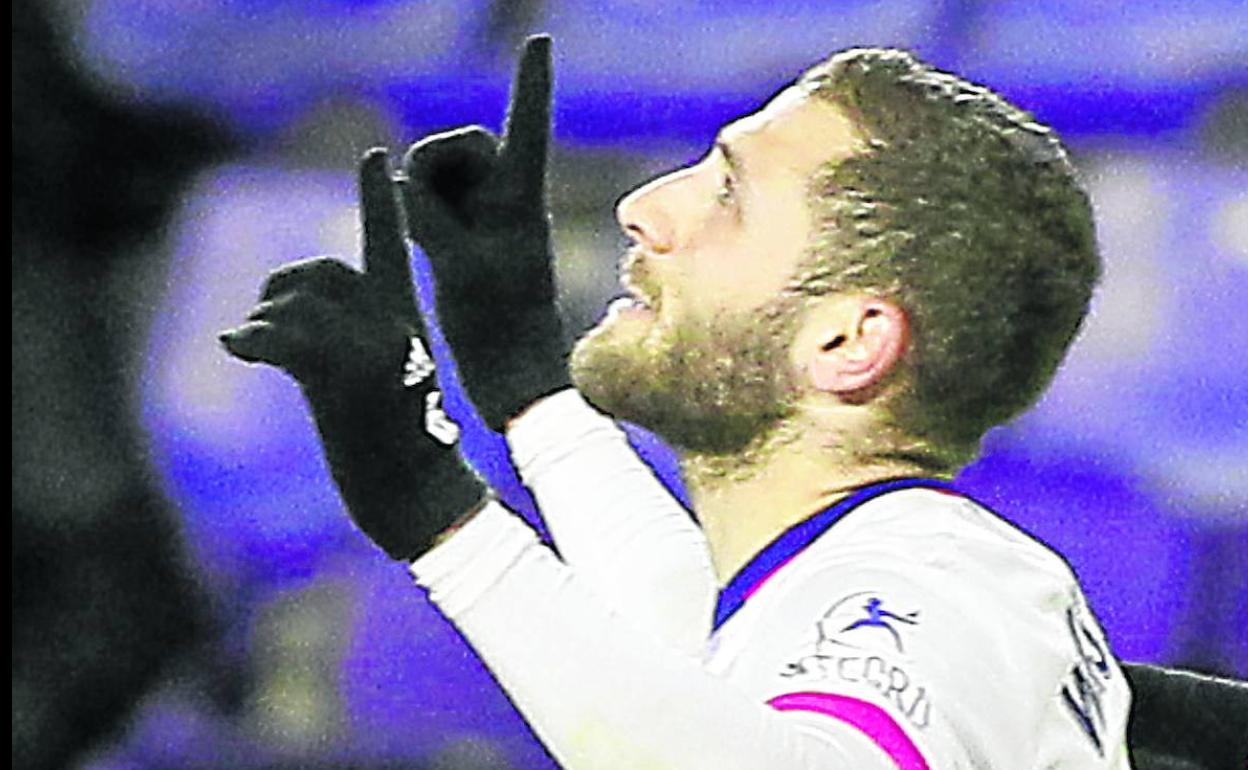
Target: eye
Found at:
727, 192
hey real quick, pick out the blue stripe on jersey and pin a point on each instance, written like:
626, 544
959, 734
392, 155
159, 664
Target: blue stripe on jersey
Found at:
800, 535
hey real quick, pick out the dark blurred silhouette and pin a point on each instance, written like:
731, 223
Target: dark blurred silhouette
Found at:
1181, 720
102, 597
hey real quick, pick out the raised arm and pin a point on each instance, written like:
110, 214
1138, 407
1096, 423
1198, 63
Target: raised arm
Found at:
599, 692
476, 205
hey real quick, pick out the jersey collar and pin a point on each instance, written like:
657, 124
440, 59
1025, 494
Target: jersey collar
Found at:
791, 542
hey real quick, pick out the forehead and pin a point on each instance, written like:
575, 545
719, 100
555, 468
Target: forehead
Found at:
794, 131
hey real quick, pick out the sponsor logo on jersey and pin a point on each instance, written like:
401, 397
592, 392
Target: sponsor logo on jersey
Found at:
862, 620
1084, 687
857, 640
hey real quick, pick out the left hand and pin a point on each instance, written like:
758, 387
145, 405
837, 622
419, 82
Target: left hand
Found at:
477, 207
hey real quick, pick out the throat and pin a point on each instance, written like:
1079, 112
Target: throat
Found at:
717, 473
745, 501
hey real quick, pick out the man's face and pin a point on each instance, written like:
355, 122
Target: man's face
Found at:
700, 352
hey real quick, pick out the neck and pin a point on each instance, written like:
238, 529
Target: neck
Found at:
746, 500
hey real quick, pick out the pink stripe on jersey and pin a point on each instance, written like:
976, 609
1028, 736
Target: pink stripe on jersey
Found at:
872, 720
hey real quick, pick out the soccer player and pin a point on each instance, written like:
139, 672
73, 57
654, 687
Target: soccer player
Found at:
825, 314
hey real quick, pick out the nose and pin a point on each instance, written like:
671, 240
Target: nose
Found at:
645, 215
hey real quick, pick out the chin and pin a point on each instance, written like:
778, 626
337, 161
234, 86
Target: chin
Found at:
611, 364
709, 387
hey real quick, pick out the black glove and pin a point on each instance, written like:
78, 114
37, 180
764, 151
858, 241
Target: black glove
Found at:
477, 207
355, 343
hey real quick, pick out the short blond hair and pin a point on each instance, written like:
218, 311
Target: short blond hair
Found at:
966, 212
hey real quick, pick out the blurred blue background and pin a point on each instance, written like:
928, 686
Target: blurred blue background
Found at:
1134, 466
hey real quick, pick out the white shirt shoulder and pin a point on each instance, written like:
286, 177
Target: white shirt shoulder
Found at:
924, 617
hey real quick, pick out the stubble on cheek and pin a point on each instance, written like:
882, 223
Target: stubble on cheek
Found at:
709, 387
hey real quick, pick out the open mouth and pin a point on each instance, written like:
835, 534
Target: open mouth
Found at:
639, 296
634, 303
634, 277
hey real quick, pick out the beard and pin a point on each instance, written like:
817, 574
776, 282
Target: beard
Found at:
706, 386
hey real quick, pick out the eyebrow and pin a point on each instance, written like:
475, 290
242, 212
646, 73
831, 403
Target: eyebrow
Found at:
730, 157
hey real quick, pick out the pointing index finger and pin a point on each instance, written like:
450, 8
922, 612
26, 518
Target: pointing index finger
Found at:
385, 252
527, 135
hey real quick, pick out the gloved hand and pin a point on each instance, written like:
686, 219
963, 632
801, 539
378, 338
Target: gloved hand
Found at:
354, 341
477, 207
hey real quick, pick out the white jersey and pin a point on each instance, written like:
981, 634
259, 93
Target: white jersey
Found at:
923, 619
905, 627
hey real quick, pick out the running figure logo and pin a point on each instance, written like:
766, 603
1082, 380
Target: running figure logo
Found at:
847, 616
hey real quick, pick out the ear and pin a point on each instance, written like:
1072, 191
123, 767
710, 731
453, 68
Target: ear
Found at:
855, 346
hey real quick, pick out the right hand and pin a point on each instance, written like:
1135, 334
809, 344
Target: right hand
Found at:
355, 342
477, 207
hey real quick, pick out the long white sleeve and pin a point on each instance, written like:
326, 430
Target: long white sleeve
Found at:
614, 522
599, 692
